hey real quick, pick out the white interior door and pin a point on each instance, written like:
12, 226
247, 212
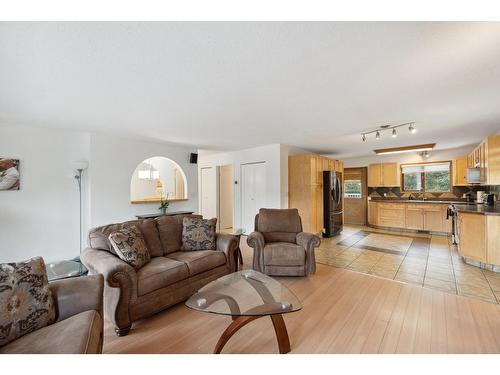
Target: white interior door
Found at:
253, 193
208, 206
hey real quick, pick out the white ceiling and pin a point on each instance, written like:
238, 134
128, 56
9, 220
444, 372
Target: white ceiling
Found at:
238, 85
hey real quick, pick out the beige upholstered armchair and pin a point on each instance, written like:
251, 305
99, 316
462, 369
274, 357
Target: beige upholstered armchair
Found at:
280, 246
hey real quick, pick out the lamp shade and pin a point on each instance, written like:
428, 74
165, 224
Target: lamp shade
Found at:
77, 165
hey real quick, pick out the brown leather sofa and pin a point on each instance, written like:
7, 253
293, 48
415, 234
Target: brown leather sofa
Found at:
170, 277
280, 246
79, 325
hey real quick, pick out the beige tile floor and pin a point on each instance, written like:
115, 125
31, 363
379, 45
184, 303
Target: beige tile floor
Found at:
426, 260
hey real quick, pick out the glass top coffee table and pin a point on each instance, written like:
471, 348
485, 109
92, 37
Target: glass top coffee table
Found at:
245, 296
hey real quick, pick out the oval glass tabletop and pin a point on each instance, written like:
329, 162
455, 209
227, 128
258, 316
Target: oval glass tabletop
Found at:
244, 293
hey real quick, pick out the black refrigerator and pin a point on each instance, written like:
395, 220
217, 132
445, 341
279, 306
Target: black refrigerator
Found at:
332, 203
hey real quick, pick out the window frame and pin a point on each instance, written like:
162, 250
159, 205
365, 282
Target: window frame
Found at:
360, 185
422, 177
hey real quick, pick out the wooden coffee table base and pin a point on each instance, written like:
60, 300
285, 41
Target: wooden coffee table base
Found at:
240, 321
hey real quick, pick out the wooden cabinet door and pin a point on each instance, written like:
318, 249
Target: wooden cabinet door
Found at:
391, 215
460, 171
414, 217
433, 219
316, 170
374, 175
331, 165
372, 213
471, 236
390, 175
317, 210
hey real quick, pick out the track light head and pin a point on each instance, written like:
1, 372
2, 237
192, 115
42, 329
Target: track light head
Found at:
363, 137
394, 134
412, 129
377, 135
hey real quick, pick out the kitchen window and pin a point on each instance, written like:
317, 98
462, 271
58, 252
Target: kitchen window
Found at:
426, 177
352, 189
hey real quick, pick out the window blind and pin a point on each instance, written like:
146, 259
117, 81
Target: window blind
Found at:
422, 168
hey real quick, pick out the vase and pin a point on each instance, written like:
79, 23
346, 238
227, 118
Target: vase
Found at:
163, 211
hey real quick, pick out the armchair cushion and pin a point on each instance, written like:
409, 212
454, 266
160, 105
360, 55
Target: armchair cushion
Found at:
200, 261
26, 301
130, 246
278, 225
198, 234
78, 334
284, 254
159, 273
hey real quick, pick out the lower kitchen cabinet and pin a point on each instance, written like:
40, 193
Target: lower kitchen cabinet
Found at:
433, 219
479, 237
416, 216
471, 236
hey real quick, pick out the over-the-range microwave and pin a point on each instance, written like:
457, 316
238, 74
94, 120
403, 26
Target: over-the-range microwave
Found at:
473, 175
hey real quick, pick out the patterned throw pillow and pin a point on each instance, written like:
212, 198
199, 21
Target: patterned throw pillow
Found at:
130, 246
198, 234
26, 301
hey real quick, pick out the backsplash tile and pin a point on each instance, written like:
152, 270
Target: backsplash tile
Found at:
456, 193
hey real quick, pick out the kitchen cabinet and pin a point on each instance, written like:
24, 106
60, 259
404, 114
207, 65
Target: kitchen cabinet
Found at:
479, 237
383, 175
414, 217
372, 213
433, 219
391, 215
472, 234
305, 187
460, 171
486, 157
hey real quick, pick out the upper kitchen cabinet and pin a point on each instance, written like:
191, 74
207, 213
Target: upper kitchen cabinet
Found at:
383, 174
460, 171
486, 157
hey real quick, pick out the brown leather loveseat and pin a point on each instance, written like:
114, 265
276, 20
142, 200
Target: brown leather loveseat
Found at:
170, 277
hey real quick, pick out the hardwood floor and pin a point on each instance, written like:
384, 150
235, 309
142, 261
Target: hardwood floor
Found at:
343, 312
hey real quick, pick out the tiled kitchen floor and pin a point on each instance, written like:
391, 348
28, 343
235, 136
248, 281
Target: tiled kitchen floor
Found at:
426, 260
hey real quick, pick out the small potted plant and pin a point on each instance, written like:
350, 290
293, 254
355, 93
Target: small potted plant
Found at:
164, 203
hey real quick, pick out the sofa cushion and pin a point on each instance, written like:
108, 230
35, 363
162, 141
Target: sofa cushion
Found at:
284, 254
170, 232
99, 237
278, 225
130, 246
78, 334
159, 273
26, 301
198, 234
201, 260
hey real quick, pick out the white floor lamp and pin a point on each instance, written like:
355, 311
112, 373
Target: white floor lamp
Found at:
78, 168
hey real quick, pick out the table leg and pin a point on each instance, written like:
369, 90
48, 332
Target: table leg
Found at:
240, 321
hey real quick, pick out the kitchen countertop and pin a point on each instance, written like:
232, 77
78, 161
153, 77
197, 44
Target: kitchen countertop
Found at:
481, 209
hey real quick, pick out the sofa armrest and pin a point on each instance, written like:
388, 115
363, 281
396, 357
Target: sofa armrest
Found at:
115, 271
120, 285
77, 295
256, 241
229, 245
308, 241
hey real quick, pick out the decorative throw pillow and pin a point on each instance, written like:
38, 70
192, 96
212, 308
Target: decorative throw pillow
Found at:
130, 246
26, 301
198, 234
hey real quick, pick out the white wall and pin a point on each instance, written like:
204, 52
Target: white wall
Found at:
270, 154
410, 157
113, 160
42, 217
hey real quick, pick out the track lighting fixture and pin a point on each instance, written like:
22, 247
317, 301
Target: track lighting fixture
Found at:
394, 133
